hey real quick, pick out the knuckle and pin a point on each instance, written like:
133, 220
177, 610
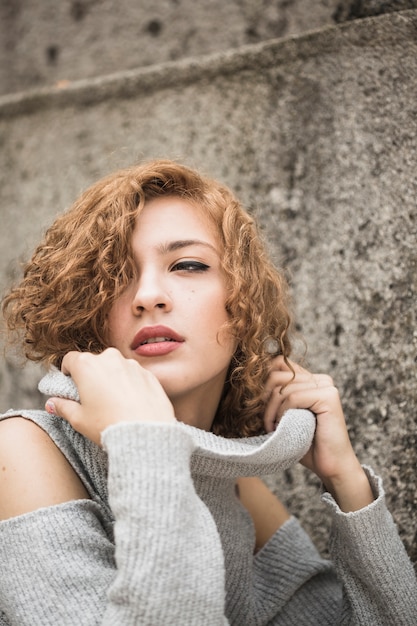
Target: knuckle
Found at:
82, 358
333, 392
111, 352
134, 365
326, 380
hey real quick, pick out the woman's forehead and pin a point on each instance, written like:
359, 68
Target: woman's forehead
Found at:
178, 218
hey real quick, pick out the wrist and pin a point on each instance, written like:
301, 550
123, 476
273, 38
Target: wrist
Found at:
351, 489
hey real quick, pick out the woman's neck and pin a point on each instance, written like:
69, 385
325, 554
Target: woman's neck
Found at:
196, 411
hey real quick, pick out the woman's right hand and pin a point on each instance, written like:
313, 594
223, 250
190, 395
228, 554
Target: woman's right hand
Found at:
112, 389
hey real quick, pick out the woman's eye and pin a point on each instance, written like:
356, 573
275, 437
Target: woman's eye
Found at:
189, 266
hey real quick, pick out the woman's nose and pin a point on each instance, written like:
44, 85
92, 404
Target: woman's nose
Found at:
150, 293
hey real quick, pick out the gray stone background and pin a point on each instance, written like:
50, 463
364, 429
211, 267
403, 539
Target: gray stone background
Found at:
307, 109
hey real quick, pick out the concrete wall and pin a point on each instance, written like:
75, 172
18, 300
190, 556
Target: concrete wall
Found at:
44, 42
48, 41
317, 134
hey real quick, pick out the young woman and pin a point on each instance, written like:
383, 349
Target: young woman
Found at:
134, 498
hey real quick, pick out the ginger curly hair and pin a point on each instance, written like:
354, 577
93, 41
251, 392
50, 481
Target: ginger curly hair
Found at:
85, 262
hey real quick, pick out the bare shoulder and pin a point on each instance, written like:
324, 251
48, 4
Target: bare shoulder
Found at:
33, 471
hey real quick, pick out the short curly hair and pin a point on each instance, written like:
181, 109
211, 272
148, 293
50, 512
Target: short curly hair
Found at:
85, 262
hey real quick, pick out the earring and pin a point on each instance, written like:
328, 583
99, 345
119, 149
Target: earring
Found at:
271, 346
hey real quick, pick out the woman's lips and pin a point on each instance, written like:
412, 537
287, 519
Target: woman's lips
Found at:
156, 341
158, 348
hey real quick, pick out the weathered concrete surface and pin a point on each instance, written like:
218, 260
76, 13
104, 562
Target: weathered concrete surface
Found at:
45, 41
354, 9
318, 134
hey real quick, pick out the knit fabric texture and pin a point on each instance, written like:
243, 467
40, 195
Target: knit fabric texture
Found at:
164, 540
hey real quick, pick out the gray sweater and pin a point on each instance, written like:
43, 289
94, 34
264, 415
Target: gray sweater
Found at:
164, 541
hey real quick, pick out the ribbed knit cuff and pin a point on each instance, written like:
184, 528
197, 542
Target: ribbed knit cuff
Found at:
378, 504
372, 562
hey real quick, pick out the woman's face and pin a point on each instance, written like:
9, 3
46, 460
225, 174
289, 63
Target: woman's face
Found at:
170, 318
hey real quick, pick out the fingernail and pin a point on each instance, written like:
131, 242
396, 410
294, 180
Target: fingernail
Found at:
50, 407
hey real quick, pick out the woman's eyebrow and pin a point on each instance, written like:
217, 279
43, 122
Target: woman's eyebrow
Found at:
172, 246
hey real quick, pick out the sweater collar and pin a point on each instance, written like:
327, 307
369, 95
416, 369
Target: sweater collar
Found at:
218, 456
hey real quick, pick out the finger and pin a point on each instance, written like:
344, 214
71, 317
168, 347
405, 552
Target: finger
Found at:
62, 407
279, 364
318, 400
271, 410
69, 361
314, 381
289, 367
72, 412
74, 359
287, 381
296, 395
277, 379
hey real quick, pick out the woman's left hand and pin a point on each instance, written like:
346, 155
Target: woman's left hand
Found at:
331, 456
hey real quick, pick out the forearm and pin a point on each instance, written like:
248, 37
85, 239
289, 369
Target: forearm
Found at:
169, 559
351, 490
267, 512
372, 563
165, 566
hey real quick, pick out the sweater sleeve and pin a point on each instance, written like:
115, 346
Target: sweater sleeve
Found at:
378, 577
370, 580
60, 566
295, 585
